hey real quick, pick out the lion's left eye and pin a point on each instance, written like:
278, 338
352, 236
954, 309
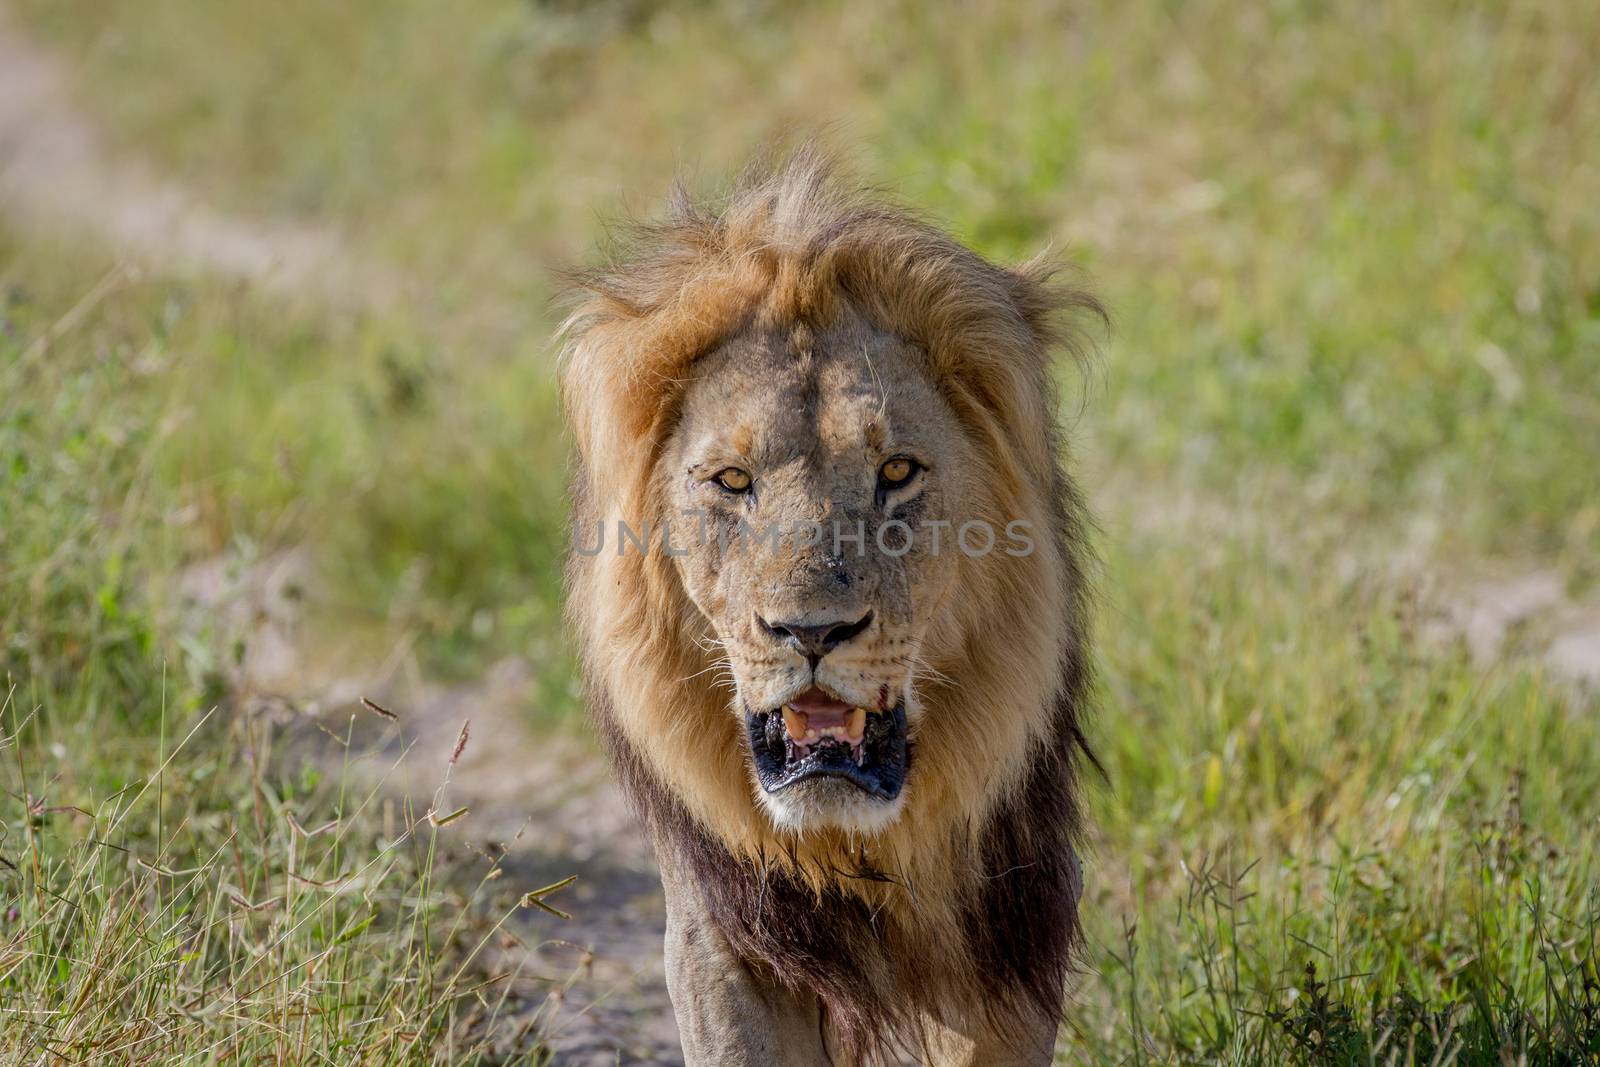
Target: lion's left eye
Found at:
733, 479
897, 472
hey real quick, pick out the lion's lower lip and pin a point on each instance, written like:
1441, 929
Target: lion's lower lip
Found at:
877, 765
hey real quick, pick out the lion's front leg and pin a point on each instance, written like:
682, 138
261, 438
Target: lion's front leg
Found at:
1032, 1044
1030, 1038
729, 1016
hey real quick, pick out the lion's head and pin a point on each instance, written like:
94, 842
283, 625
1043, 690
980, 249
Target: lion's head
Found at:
828, 572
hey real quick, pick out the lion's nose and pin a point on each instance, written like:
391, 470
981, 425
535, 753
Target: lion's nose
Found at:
813, 641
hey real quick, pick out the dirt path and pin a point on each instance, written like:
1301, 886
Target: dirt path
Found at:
1528, 612
1501, 610
544, 801
54, 172
554, 807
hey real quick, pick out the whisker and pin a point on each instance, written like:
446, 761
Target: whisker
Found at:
923, 671
722, 665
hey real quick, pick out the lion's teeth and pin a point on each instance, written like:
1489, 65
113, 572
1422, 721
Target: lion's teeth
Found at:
799, 726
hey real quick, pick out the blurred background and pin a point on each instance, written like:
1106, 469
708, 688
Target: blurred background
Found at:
282, 504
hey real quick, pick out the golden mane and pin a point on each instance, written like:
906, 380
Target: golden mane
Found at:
793, 244
787, 243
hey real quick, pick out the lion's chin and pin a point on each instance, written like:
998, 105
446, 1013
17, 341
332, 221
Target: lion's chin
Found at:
830, 804
850, 778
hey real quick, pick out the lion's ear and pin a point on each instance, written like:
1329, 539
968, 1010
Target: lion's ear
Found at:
1054, 308
636, 329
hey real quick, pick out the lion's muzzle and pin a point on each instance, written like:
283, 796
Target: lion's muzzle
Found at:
815, 736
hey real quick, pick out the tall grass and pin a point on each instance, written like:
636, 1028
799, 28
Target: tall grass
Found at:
1511, 976
1304, 773
186, 875
230, 905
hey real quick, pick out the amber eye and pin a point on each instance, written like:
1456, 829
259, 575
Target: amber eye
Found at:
733, 479
897, 472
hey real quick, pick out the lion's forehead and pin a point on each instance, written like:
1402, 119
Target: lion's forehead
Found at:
844, 396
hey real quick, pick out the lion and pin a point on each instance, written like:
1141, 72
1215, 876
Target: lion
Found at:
857, 752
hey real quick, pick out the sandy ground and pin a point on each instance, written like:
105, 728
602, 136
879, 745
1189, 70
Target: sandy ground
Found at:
553, 805
1500, 609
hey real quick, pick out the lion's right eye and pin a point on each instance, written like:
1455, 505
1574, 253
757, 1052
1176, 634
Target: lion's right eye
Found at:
897, 472
733, 479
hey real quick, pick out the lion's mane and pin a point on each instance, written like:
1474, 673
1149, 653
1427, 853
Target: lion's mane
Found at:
971, 897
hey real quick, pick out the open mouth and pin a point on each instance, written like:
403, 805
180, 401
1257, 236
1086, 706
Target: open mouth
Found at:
816, 736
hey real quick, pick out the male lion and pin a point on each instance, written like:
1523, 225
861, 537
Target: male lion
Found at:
856, 745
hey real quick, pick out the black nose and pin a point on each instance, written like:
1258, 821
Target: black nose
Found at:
814, 642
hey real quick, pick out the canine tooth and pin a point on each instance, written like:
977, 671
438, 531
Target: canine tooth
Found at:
855, 725
795, 723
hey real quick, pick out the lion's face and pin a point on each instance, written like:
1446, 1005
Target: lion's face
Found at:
814, 481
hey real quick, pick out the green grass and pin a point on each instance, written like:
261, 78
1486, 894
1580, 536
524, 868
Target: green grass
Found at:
183, 876
1301, 777
1351, 253
221, 905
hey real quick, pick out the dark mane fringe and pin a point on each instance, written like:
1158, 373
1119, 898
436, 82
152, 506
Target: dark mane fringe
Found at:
1022, 926
1031, 866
